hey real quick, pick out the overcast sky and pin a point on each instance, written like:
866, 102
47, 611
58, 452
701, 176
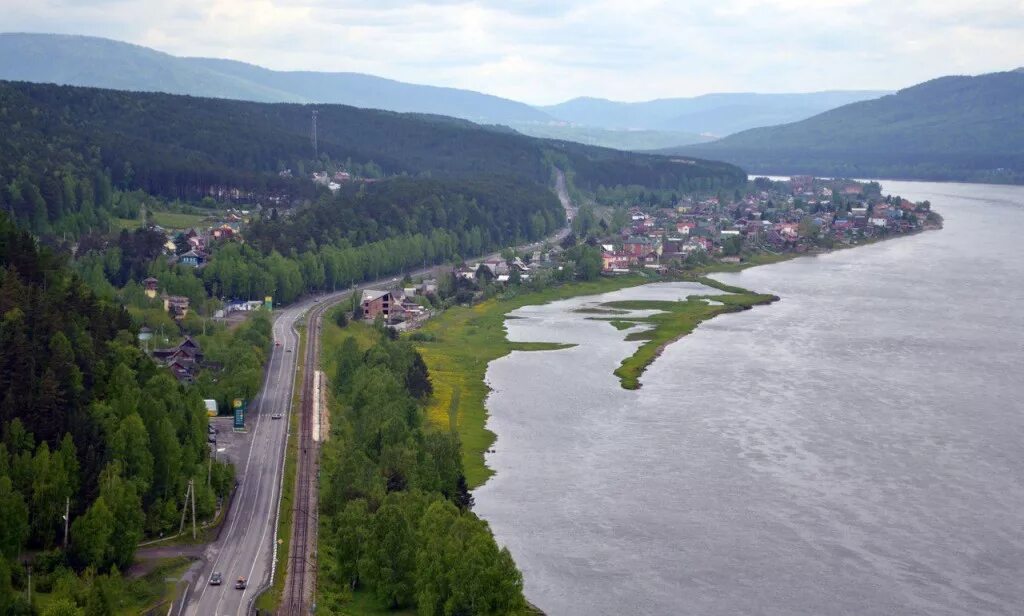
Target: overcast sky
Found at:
542, 52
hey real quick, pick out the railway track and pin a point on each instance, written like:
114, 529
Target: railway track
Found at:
301, 582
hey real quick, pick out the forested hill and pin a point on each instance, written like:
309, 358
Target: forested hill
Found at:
952, 128
87, 421
61, 146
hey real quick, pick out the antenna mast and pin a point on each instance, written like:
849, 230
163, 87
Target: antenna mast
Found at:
316, 152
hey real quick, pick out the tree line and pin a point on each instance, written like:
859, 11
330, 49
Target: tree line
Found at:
396, 513
88, 422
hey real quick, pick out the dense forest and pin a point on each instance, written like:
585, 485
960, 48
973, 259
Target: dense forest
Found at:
395, 510
499, 210
952, 128
89, 422
64, 149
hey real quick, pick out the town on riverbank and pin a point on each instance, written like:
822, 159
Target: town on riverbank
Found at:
622, 238
661, 233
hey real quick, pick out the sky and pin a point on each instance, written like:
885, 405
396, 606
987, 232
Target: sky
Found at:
544, 52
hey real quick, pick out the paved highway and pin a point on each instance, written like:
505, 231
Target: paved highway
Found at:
245, 547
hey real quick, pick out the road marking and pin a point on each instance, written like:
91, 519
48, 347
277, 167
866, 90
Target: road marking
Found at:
245, 487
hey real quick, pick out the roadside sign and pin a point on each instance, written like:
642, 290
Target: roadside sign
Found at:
268, 303
238, 406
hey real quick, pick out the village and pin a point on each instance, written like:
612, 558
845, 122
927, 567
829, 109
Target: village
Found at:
801, 215
798, 216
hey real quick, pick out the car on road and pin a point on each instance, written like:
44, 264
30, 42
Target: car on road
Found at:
240, 584
276, 416
211, 430
289, 350
277, 343
216, 579
212, 438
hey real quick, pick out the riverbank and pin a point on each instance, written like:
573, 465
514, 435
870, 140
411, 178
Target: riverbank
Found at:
458, 344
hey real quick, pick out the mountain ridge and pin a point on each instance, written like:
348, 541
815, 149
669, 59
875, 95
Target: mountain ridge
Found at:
105, 63
948, 128
716, 113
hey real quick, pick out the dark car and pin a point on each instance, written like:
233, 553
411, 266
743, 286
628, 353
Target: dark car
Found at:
240, 584
216, 579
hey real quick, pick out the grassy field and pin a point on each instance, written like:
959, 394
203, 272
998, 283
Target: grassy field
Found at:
177, 220
127, 223
673, 321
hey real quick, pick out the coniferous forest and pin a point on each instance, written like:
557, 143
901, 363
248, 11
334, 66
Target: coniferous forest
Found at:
88, 422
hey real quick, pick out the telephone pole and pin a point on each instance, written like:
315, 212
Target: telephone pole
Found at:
190, 493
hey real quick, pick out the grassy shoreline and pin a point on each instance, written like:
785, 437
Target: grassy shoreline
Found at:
468, 338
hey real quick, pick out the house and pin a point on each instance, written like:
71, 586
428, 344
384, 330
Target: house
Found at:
639, 246
386, 303
684, 228
497, 268
878, 221
183, 360
149, 284
465, 272
191, 258
177, 305
427, 287
223, 232
616, 261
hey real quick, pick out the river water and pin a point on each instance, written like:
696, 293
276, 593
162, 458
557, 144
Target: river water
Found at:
856, 448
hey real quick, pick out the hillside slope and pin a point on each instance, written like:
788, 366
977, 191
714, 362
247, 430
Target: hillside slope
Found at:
104, 63
56, 139
951, 128
715, 114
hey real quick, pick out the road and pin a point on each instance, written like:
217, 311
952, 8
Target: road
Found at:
245, 547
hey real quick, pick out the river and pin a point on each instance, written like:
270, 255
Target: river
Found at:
855, 448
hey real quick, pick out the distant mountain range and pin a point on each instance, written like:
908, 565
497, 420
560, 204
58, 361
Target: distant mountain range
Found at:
104, 63
710, 114
951, 128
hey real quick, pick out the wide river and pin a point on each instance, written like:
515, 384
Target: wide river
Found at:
856, 448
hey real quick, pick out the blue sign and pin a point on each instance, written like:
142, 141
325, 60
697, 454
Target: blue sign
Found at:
239, 408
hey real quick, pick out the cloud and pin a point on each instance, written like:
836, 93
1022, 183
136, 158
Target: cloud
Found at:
547, 51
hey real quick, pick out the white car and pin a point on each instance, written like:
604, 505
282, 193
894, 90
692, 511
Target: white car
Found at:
276, 416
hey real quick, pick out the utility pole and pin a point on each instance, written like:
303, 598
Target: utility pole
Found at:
184, 507
190, 492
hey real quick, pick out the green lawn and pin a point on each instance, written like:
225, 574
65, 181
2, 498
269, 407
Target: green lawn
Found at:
127, 223
176, 220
